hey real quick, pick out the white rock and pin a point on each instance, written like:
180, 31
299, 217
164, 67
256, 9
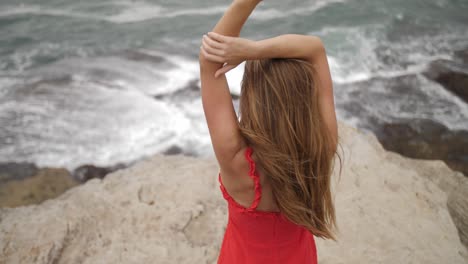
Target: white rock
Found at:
390, 209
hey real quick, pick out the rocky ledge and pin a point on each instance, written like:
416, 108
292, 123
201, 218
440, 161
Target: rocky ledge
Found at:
169, 209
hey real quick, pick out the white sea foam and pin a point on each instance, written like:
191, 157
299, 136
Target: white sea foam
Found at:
87, 123
343, 77
386, 101
443, 106
356, 60
174, 72
178, 76
103, 115
198, 140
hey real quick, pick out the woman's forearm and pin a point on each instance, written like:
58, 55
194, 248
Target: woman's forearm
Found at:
233, 20
289, 46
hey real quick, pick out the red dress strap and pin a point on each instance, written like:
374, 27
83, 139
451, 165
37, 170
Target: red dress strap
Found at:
252, 174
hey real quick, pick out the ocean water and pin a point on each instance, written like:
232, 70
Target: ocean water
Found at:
102, 82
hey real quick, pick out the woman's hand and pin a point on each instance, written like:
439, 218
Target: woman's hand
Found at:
230, 51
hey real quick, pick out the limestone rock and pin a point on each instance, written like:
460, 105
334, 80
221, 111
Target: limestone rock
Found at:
458, 208
169, 209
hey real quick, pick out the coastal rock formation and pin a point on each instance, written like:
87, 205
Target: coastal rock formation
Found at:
426, 139
461, 55
169, 209
87, 172
452, 75
458, 208
378, 104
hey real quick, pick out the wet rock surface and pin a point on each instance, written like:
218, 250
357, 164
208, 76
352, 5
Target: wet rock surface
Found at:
377, 102
87, 172
25, 183
426, 139
452, 75
16, 170
46, 183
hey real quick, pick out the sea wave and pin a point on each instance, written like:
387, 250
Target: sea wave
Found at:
129, 14
269, 13
138, 11
84, 122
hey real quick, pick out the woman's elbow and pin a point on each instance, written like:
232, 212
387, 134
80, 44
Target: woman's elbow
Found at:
317, 45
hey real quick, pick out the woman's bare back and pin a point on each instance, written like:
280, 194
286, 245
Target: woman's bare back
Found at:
243, 189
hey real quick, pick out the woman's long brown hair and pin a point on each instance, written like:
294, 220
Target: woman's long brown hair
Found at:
281, 120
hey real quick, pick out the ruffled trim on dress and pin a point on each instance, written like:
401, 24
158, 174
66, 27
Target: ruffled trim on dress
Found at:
253, 174
257, 187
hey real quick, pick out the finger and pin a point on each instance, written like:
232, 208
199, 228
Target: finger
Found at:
224, 70
211, 57
217, 37
213, 43
211, 50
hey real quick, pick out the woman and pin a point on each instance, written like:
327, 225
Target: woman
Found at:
276, 162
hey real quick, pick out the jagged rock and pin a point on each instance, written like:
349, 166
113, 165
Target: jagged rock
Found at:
169, 209
378, 105
87, 172
462, 55
451, 75
173, 150
426, 139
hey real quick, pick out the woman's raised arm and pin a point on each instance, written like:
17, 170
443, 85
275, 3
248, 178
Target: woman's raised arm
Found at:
217, 101
309, 48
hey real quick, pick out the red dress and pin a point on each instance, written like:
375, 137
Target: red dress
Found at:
257, 237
